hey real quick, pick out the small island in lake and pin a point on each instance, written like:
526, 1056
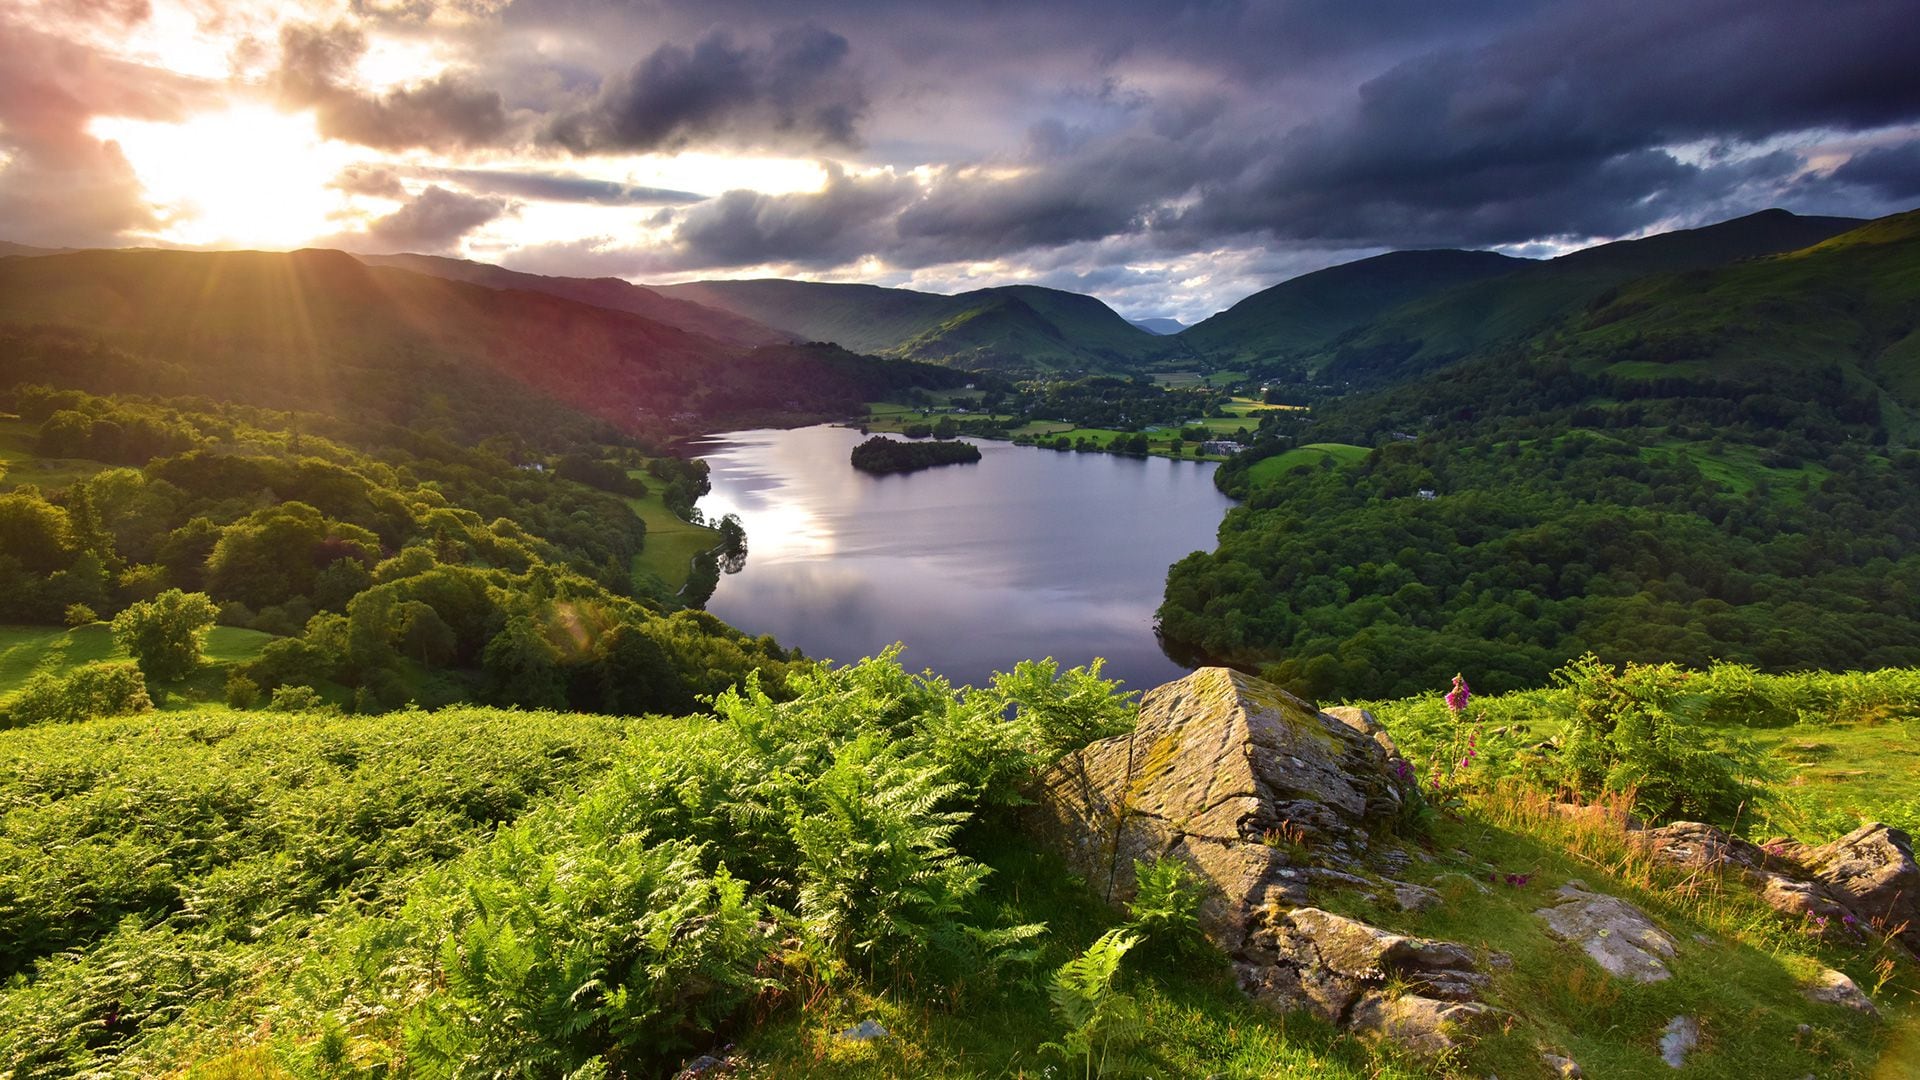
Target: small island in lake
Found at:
883, 455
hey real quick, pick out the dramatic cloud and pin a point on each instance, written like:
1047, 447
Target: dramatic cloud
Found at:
1891, 172
565, 187
60, 184
850, 218
431, 223
1170, 155
794, 93
444, 112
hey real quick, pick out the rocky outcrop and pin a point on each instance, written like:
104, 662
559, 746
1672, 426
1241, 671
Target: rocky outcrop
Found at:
1267, 798
1244, 781
1865, 879
1618, 936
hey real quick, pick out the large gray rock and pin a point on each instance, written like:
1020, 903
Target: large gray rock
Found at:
1266, 798
1871, 871
1867, 877
1618, 936
1240, 779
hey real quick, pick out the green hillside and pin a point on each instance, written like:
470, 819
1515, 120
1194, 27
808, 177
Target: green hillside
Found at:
1370, 322
1013, 328
1449, 324
320, 331
1690, 466
1301, 316
613, 293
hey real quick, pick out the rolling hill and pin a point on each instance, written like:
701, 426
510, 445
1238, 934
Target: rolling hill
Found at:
607, 292
1011, 328
321, 331
1383, 318
1306, 314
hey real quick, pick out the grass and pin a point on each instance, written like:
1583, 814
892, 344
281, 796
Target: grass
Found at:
26, 651
671, 542
1312, 454
20, 462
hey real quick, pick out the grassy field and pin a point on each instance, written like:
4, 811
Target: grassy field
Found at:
20, 464
1311, 454
671, 542
1242, 413
26, 651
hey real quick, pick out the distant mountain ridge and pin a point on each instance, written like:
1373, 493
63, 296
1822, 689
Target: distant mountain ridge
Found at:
1007, 327
1403, 312
320, 330
616, 294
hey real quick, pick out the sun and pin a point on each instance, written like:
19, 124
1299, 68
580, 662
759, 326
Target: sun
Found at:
248, 176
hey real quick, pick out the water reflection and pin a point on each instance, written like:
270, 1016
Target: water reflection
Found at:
1028, 553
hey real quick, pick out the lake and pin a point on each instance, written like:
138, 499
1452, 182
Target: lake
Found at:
1029, 553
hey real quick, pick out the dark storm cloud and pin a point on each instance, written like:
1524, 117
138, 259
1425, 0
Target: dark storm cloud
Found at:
796, 92
1891, 172
565, 187
431, 223
445, 112
849, 218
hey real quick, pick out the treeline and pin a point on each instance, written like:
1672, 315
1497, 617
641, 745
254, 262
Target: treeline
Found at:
883, 455
391, 578
1562, 515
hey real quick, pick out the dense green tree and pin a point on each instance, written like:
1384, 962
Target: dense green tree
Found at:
164, 635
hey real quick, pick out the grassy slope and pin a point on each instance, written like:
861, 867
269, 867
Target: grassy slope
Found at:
1846, 303
1310, 454
1311, 311
1738, 970
20, 463
1444, 324
671, 542
26, 651
613, 293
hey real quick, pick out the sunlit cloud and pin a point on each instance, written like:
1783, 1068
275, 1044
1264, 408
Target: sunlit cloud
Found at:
247, 176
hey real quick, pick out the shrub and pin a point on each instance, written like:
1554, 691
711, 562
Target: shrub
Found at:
1102, 1023
1166, 905
242, 692
297, 699
80, 615
164, 634
1638, 730
109, 688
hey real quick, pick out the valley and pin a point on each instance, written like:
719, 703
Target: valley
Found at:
411, 666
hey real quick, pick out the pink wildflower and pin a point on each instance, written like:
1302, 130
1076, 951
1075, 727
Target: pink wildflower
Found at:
1458, 697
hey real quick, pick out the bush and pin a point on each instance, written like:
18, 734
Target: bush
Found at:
164, 634
80, 615
1638, 730
242, 692
298, 699
109, 688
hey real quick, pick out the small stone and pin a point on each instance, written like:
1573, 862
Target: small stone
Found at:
1564, 1067
1835, 988
864, 1031
1679, 1039
1410, 897
700, 1066
1618, 936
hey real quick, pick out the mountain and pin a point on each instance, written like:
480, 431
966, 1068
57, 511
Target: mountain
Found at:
9, 248
1159, 326
1012, 327
1305, 314
320, 330
1706, 462
606, 292
1428, 321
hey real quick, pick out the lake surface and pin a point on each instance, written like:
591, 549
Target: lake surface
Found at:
1029, 553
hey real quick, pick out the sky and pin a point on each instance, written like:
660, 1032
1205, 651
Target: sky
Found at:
1170, 158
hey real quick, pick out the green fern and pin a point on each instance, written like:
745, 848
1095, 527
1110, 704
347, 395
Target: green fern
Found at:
1103, 1024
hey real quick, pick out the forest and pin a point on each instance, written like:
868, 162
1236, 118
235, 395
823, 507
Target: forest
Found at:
880, 455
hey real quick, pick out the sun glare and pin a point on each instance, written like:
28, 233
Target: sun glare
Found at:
249, 176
